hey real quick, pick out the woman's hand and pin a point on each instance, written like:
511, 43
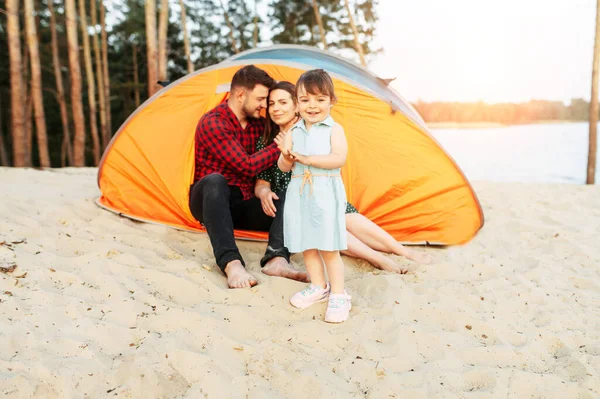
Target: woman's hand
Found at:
266, 201
281, 143
284, 146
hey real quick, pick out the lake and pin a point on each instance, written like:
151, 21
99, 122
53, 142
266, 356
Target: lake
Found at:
550, 153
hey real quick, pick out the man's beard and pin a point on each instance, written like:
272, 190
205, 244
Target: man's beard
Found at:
250, 112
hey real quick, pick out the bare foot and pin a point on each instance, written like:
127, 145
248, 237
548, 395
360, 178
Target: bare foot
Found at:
238, 276
279, 267
389, 265
419, 257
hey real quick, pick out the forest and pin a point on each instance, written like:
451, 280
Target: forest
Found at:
74, 70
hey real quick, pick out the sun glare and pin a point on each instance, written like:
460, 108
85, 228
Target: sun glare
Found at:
472, 50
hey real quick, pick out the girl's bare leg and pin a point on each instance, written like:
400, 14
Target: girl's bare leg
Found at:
335, 270
378, 239
358, 249
314, 267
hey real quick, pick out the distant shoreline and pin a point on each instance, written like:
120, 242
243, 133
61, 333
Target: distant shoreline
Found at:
487, 125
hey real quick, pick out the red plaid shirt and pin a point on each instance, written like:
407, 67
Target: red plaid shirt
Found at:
223, 146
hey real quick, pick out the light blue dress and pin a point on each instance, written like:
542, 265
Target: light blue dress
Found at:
314, 220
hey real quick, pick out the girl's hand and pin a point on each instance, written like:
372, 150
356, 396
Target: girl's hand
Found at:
303, 159
266, 201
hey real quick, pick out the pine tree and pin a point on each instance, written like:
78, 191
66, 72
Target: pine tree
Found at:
104, 134
186, 37
36, 84
66, 153
296, 22
16, 83
163, 24
151, 46
91, 84
75, 71
211, 40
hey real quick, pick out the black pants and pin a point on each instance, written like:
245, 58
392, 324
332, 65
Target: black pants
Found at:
221, 208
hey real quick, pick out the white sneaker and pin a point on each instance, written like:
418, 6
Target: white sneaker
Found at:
309, 296
338, 308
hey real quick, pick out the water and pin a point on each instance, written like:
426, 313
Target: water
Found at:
550, 153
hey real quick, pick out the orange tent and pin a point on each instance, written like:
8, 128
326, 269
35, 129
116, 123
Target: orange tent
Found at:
396, 175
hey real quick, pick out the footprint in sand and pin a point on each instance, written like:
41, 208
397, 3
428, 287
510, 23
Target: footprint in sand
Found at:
515, 338
566, 363
478, 381
173, 255
555, 347
574, 370
112, 253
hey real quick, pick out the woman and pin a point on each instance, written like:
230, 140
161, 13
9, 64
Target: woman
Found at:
365, 239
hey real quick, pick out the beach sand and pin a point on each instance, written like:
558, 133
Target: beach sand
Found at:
102, 306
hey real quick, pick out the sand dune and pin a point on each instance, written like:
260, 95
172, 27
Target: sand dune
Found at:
101, 306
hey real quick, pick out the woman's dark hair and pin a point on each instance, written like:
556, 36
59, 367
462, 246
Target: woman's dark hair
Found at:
317, 81
271, 128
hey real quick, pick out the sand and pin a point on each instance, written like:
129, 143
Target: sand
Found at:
101, 306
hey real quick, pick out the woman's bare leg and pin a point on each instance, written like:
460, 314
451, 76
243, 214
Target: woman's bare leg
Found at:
314, 267
378, 239
358, 249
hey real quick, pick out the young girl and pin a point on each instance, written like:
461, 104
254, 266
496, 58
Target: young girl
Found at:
365, 239
314, 213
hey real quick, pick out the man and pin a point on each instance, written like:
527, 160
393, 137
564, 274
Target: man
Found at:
221, 197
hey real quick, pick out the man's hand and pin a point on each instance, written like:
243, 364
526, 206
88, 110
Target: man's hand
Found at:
266, 201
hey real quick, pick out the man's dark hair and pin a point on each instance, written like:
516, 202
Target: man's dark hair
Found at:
250, 76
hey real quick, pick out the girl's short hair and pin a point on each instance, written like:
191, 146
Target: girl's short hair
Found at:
271, 128
317, 81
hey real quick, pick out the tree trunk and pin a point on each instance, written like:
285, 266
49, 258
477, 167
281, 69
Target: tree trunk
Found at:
105, 69
186, 38
230, 26
27, 105
75, 70
36, 84
28, 126
16, 83
66, 153
99, 77
136, 79
255, 35
151, 46
357, 44
89, 72
3, 152
320, 23
592, 149
163, 24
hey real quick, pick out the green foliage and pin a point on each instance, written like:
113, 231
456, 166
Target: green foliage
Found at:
288, 21
294, 21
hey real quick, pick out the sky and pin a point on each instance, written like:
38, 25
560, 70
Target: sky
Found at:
490, 50
483, 50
